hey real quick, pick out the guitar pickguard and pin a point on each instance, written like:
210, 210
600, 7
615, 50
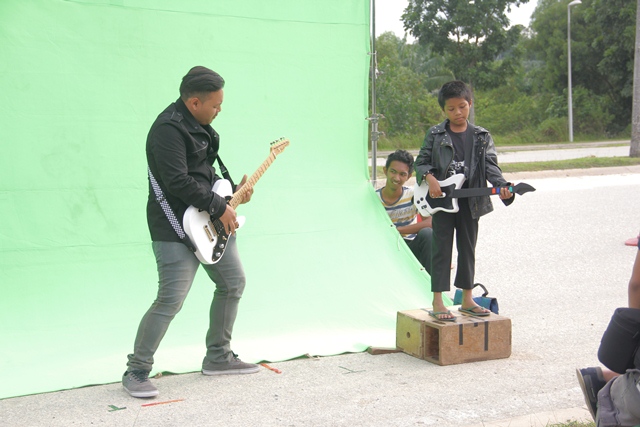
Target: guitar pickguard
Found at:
209, 235
447, 203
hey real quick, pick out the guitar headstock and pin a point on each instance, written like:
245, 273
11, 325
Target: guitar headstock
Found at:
279, 145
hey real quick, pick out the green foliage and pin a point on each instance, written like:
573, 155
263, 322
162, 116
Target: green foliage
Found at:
473, 37
402, 87
590, 112
404, 141
506, 110
553, 129
602, 49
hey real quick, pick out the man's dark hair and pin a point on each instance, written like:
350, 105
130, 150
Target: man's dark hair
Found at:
200, 80
454, 89
401, 156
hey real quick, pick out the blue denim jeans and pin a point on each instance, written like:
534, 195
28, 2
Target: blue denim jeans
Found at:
177, 267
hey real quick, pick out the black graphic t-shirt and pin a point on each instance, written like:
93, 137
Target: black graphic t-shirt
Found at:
461, 143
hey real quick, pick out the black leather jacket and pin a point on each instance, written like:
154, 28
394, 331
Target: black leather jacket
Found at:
180, 154
436, 155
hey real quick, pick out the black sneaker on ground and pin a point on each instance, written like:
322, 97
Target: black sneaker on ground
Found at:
233, 367
591, 382
137, 384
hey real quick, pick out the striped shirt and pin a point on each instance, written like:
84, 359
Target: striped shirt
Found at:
403, 211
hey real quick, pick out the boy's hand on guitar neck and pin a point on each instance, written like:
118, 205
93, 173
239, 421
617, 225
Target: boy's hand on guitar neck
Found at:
505, 193
246, 196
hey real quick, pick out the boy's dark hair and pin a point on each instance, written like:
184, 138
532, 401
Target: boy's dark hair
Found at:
200, 80
401, 156
454, 89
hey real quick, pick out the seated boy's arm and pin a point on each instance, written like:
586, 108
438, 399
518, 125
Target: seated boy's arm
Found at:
415, 227
426, 220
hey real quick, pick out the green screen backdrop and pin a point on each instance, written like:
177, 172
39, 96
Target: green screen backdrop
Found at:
82, 81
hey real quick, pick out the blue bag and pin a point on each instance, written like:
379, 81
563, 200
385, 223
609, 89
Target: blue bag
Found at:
485, 301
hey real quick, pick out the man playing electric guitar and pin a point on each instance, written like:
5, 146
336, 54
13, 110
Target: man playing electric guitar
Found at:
456, 146
181, 148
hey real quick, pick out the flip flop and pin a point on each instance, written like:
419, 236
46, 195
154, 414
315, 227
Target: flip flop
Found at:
435, 314
470, 312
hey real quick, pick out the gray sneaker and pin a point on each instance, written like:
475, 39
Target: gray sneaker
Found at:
137, 384
233, 367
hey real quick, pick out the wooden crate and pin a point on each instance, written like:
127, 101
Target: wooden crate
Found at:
469, 339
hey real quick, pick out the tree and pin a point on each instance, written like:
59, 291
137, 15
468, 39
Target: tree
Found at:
635, 120
401, 87
602, 59
473, 36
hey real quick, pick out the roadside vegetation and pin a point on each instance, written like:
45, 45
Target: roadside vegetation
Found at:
581, 163
574, 424
519, 75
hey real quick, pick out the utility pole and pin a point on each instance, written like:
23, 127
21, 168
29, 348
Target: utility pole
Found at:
570, 107
635, 111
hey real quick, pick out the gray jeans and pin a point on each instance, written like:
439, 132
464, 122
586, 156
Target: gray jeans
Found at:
177, 267
619, 401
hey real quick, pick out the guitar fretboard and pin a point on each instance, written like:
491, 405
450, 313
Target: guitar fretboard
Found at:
239, 195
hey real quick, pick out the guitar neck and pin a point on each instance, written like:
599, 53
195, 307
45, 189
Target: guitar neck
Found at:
476, 192
520, 188
239, 195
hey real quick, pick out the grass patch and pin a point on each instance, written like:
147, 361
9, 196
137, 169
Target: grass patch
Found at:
581, 163
574, 424
411, 142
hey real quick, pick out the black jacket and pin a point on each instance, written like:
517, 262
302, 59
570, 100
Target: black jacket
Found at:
180, 154
436, 154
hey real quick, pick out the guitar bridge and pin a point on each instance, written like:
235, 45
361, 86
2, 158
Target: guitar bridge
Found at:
207, 231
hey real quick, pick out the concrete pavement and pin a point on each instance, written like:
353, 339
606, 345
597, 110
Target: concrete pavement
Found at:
556, 260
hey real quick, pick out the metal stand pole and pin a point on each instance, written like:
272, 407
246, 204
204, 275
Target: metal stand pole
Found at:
375, 135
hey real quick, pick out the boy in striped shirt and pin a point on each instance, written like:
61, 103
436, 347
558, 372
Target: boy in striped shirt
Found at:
398, 202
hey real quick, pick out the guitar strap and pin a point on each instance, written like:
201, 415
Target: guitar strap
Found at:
169, 212
468, 149
225, 173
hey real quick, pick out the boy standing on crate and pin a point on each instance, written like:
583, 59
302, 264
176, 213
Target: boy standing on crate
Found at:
456, 146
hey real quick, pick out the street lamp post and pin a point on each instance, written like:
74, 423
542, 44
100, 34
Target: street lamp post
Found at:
573, 3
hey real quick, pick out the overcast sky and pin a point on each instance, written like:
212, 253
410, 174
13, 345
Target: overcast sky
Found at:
388, 13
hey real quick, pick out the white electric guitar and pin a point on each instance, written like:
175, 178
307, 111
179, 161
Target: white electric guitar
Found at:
452, 191
209, 236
